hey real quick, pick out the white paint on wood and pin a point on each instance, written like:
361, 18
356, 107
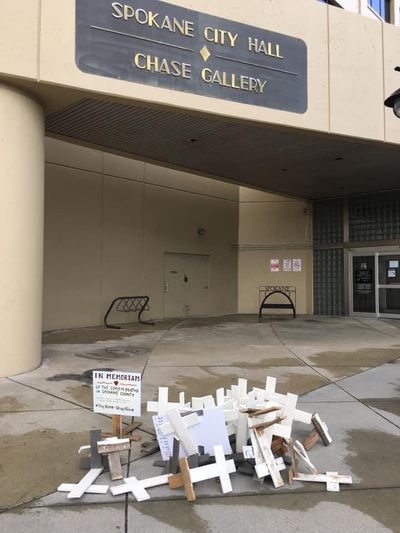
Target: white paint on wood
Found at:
303, 455
182, 432
189, 421
87, 481
231, 415
220, 395
242, 431
269, 458
332, 480
260, 468
93, 489
221, 468
242, 384
289, 410
138, 487
162, 406
197, 404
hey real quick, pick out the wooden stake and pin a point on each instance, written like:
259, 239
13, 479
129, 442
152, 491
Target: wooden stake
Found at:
265, 425
322, 429
132, 426
293, 456
259, 412
117, 425
290, 475
187, 483
311, 439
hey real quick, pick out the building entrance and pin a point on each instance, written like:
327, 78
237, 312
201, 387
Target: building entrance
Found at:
375, 284
186, 282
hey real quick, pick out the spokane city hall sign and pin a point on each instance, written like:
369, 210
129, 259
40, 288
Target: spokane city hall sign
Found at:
163, 45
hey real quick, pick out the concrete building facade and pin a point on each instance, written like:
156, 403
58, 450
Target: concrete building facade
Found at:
194, 153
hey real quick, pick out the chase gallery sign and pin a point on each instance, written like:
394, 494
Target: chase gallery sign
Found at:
163, 45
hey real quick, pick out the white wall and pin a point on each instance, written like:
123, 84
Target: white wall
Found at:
273, 227
109, 221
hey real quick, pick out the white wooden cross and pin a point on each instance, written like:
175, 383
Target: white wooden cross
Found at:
221, 469
268, 456
242, 431
205, 402
261, 468
163, 405
298, 415
303, 455
332, 480
85, 485
276, 429
270, 394
248, 453
322, 429
138, 487
179, 426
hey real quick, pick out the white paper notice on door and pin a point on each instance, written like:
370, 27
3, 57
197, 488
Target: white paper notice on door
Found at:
296, 265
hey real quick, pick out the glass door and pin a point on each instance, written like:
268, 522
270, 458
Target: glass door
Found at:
389, 285
363, 284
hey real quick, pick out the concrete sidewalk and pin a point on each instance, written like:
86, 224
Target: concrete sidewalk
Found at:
350, 365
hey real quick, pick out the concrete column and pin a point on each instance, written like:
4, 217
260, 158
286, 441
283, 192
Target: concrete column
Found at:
21, 231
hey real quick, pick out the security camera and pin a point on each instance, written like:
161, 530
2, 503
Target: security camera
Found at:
394, 102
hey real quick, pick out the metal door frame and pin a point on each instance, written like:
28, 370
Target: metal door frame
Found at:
376, 253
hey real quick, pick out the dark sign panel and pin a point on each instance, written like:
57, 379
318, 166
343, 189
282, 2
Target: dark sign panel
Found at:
160, 44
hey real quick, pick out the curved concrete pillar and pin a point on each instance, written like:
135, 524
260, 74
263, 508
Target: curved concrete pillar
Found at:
21, 231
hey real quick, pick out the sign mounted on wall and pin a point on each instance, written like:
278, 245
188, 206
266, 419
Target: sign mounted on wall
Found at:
160, 44
275, 265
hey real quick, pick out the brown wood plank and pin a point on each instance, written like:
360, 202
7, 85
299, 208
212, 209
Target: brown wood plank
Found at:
114, 462
266, 425
117, 425
189, 491
320, 429
176, 481
311, 439
293, 456
131, 427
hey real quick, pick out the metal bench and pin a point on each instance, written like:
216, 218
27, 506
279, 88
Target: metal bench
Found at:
129, 304
267, 291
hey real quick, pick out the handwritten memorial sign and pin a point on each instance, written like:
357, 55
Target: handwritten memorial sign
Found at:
116, 393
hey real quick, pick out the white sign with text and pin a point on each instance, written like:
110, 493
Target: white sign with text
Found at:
116, 393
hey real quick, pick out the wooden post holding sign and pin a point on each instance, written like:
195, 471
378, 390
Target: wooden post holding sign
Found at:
118, 394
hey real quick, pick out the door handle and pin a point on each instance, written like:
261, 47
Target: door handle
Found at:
165, 286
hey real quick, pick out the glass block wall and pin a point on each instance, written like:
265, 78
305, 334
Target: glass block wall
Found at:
375, 217
328, 222
329, 282
371, 218
329, 261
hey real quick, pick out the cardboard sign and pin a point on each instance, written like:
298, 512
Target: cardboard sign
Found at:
211, 430
116, 393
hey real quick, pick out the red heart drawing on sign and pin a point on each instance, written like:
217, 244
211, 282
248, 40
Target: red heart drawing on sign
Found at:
115, 383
